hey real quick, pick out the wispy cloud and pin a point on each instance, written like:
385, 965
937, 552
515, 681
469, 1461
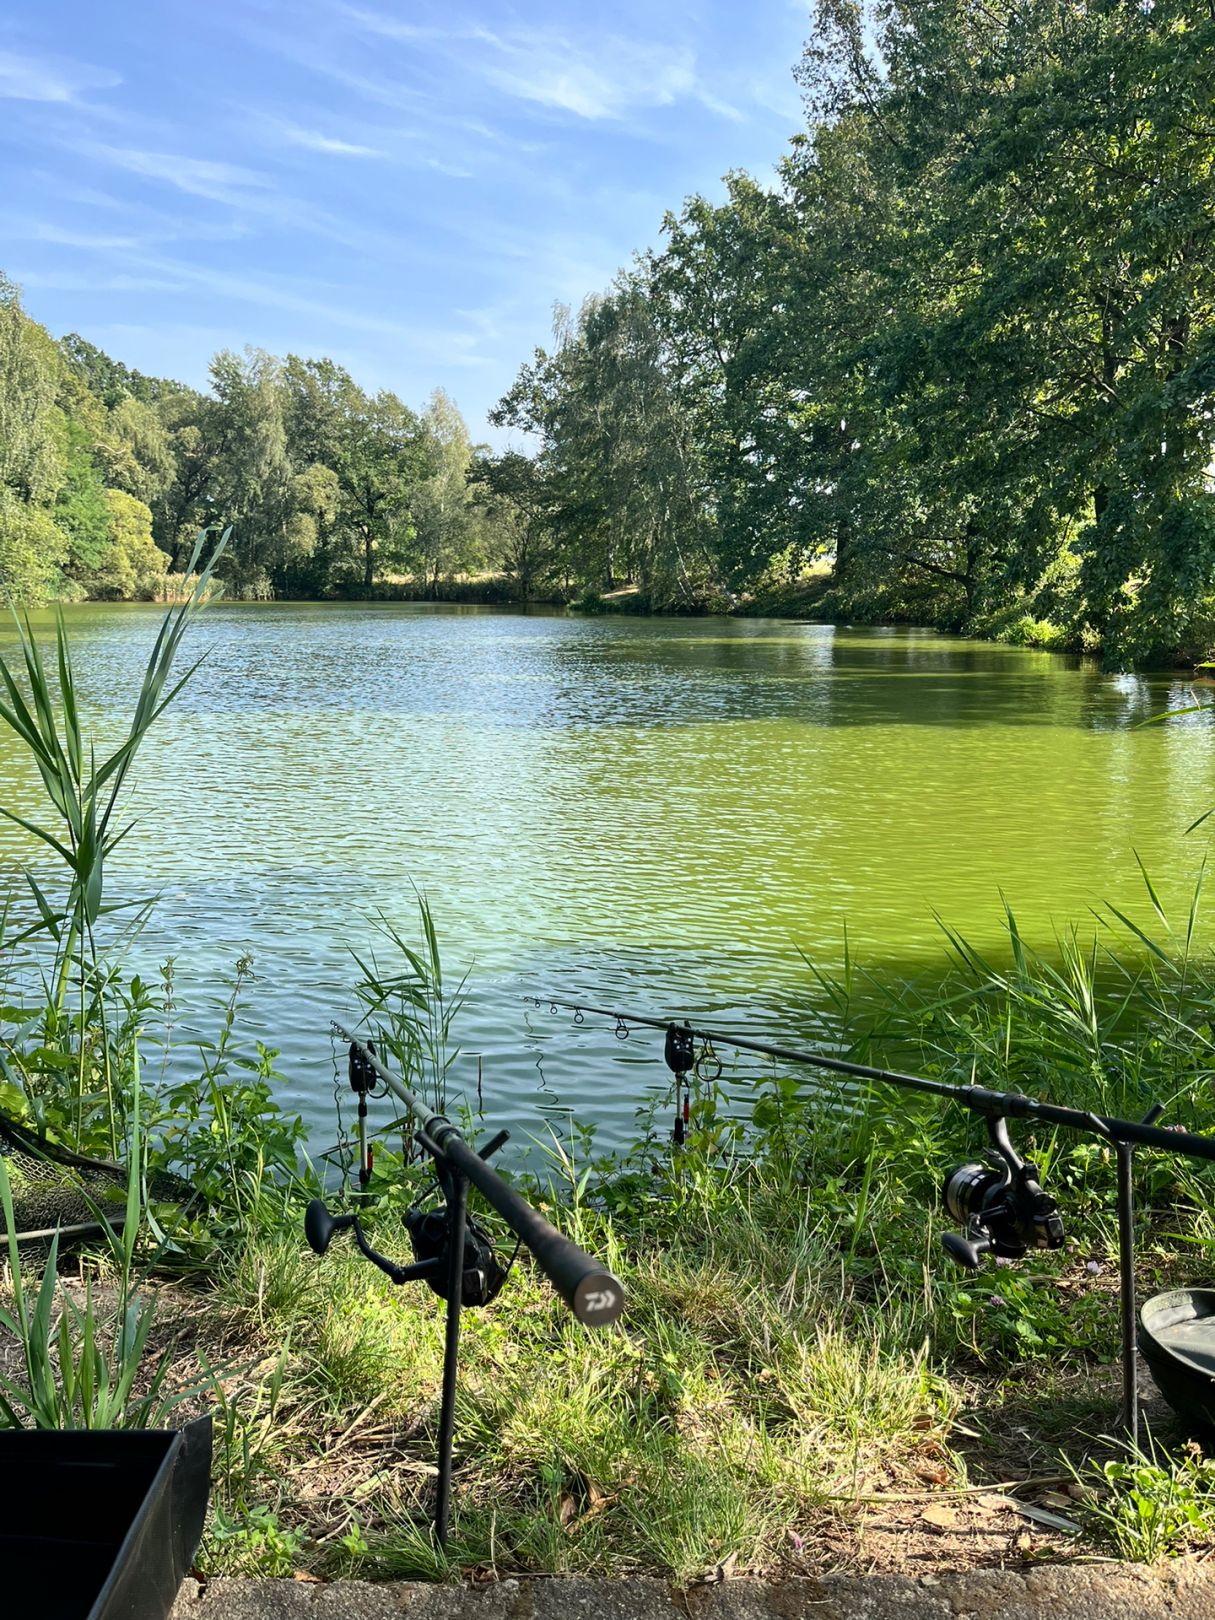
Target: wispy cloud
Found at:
146, 228
86, 241
718, 105
281, 294
552, 70
395, 145
599, 77
74, 282
50, 78
312, 140
377, 22
199, 177
329, 58
255, 198
454, 171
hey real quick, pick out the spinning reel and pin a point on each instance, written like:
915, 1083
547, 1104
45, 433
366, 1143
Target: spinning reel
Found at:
482, 1273
430, 1238
1002, 1207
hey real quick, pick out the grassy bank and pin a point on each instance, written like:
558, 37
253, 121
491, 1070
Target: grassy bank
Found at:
801, 1380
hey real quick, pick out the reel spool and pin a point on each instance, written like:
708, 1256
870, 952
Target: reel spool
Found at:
430, 1237
1002, 1206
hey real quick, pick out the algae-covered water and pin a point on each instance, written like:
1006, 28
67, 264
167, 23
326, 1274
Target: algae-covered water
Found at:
658, 812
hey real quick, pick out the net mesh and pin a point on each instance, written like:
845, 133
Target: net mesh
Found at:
54, 1189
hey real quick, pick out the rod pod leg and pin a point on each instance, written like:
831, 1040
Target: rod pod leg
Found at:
457, 1213
1126, 1273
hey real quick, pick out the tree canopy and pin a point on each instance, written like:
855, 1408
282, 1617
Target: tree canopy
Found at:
963, 349
327, 488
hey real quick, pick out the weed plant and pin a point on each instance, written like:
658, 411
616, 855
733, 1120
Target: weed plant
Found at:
1150, 1502
411, 1005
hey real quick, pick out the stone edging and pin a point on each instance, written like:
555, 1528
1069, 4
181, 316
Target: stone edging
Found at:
1180, 1591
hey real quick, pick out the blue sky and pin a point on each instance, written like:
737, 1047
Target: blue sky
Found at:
404, 186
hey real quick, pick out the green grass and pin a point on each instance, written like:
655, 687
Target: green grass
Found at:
721, 1417
795, 1346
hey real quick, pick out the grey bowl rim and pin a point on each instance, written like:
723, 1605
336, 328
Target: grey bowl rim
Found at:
1176, 1359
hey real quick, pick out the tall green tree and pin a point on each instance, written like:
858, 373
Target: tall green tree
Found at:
626, 503
382, 460
515, 500
132, 566
252, 478
447, 536
32, 454
376, 449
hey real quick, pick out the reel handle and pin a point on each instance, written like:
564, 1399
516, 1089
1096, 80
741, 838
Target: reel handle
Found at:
320, 1225
966, 1251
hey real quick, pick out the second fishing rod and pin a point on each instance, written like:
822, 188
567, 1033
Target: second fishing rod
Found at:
1001, 1205
978, 1099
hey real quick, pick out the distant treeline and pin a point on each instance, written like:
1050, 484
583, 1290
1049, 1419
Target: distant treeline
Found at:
107, 476
963, 347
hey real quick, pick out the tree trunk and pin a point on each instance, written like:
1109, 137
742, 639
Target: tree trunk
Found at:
368, 562
970, 581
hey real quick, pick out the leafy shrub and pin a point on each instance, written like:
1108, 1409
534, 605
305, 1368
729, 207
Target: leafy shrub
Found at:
132, 567
1149, 1503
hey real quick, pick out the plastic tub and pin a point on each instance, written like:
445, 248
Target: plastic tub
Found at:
100, 1524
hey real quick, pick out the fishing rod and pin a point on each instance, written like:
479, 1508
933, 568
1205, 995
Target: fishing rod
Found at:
1002, 1206
453, 1253
978, 1099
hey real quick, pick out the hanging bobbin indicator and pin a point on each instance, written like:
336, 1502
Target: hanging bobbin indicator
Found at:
680, 1054
362, 1081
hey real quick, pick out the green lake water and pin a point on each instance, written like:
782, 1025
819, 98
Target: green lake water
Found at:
655, 812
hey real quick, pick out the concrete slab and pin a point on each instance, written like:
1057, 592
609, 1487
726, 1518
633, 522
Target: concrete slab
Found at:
1183, 1590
